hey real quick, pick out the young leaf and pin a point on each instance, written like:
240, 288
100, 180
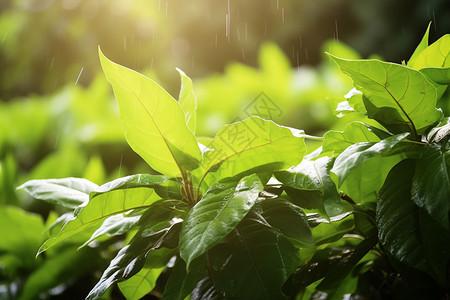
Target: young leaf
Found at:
399, 98
116, 197
436, 55
66, 192
431, 182
422, 46
188, 101
362, 168
335, 142
154, 122
252, 143
407, 232
264, 257
219, 211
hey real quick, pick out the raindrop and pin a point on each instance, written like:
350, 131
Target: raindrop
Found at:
246, 30
151, 63
282, 15
120, 165
56, 140
227, 21
125, 43
79, 75
4, 37
243, 54
167, 5
434, 20
337, 35
159, 5
278, 4
238, 32
52, 62
301, 44
215, 41
192, 62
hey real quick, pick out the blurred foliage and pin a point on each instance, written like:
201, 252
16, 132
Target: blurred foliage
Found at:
47, 43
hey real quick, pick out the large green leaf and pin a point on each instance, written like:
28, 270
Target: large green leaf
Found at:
219, 211
398, 97
289, 219
326, 231
116, 197
188, 101
264, 257
154, 122
249, 144
66, 192
406, 231
362, 168
314, 176
431, 182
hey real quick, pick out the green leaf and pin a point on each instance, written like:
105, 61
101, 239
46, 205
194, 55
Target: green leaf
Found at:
21, 234
264, 257
116, 197
314, 176
399, 98
326, 231
131, 258
252, 143
436, 55
431, 182
182, 281
205, 290
54, 272
439, 132
407, 232
144, 281
116, 225
422, 46
335, 142
362, 168
289, 219
66, 192
188, 101
219, 211
154, 122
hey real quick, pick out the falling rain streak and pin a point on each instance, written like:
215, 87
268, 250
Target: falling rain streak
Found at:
227, 22
79, 75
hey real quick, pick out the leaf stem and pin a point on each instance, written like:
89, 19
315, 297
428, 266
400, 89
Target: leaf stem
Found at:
312, 137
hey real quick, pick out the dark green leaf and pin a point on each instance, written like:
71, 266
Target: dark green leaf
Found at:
431, 182
205, 290
182, 281
407, 232
289, 219
264, 257
314, 176
219, 211
66, 192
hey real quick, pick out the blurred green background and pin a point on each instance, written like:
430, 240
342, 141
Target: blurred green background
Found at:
58, 116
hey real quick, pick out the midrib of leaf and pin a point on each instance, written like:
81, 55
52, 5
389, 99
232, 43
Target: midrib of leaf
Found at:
237, 153
252, 261
157, 127
396, 101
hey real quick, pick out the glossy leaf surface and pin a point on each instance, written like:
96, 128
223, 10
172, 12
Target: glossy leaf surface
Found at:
219, 211
188, 101
431, 182
264, 257
154, 122
423, 245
